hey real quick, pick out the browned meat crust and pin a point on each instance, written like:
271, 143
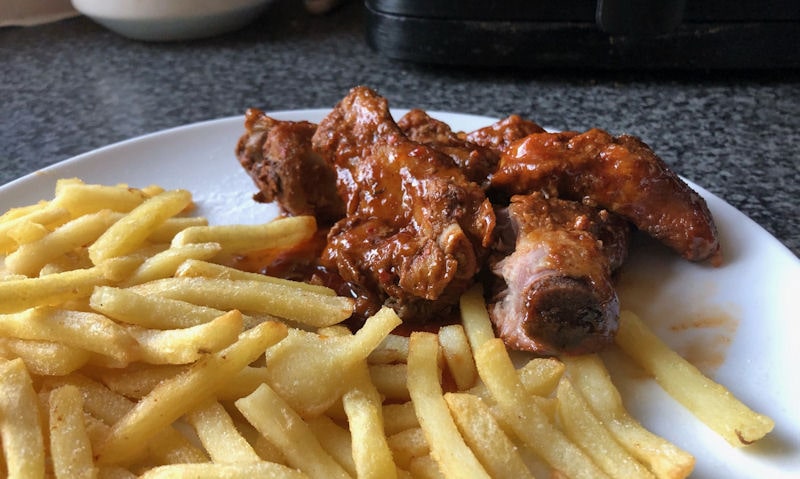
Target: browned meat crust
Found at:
620, 174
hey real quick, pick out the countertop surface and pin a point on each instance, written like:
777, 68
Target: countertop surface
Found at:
71, 86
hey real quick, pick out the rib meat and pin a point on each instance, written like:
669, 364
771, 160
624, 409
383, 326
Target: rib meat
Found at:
416, 229
553, 291
621, 174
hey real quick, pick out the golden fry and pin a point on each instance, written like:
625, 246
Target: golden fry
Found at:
165, 263
589, 433
219, 435
20, 294
44, 358
70, 448
280, 424
20, 426
85, 330
526, 418
294, 304
362, 404
192, 268
29, 258
484, 436
447, 446
591, 378
131, 231
173, 398
711, 402
184, 346
241, 239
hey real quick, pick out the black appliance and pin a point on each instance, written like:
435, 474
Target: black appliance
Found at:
597, 34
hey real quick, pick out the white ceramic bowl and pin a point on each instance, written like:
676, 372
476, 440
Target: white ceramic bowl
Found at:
165, 20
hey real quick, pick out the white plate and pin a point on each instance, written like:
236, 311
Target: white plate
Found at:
738, 322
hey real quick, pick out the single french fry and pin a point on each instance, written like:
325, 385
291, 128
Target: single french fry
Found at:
149, 311
590, 376
172, 398
458, 355
85, 330
20, 427
498, 454
526, 418
266, 470
589, 433
70, 448
166, 231
19, 211
540, 376
282, 426
475, 317
192, 268
80, 198
241, 239
454, 457
294, 304
20, 294
131, 231
708, 400
362, 404
219, 435
184, 346
49, 215
27, 232
44, 358
165, 263
29, 258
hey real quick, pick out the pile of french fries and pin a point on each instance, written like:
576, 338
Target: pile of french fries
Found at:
129, 347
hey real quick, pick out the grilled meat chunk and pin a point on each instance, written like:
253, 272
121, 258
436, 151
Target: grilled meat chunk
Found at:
477, 162
621, 174
553, 292
278, 157
416, 229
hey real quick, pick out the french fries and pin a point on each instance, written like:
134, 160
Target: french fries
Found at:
447, 446
130, 347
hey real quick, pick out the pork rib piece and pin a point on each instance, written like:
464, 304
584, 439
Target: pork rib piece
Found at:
278, 157
621, 174
553, 291
416, 229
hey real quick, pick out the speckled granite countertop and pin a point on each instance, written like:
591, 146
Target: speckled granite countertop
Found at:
72, 86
